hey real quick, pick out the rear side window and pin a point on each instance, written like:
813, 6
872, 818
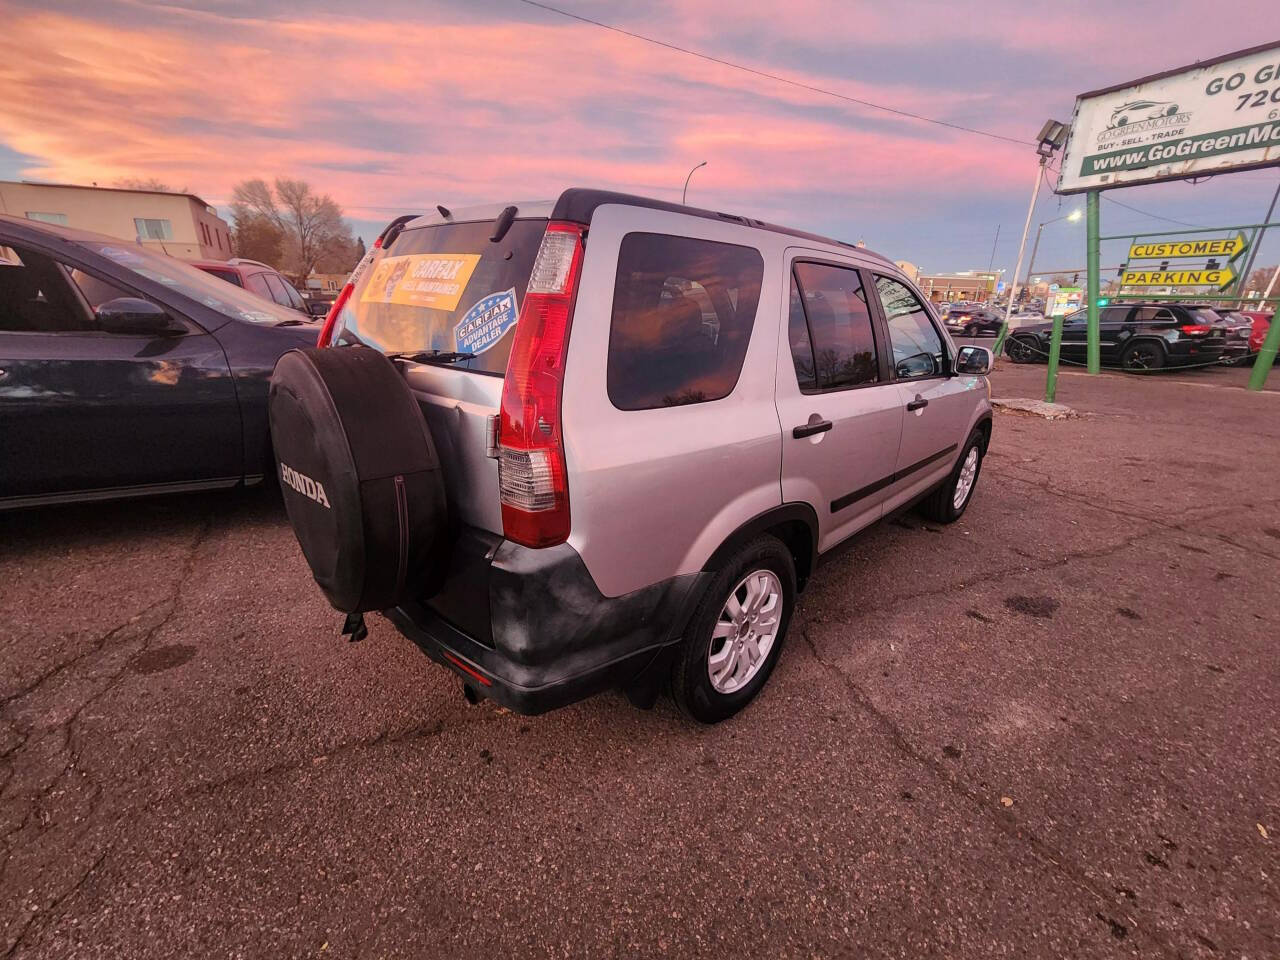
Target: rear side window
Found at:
228, 275
832, 343
683, 310
447, 288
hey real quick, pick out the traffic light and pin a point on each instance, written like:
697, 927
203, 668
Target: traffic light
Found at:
1103, 301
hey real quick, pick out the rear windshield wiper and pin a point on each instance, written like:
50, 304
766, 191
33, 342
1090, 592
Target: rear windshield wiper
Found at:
432, 356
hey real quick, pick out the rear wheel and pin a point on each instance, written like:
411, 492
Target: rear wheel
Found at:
735, 636
970, 331
1143, 355
1020, 350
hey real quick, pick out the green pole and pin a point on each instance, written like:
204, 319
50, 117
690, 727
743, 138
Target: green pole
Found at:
1055, 350
1266, 356
1095, 348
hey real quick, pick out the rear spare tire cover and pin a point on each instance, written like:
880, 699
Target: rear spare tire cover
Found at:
359, 475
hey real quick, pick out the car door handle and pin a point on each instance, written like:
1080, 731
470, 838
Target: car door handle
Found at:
810, 428
919, 403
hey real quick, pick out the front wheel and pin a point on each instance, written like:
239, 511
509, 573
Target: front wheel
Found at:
948, 502
735, 635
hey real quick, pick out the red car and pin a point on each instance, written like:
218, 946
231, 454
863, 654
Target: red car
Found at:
1261, 324
266, 281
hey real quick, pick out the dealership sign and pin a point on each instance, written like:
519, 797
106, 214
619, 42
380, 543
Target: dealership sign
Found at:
1229, 247
1210, 117
1220, 278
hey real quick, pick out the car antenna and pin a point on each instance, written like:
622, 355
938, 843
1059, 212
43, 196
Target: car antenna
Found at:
444, 211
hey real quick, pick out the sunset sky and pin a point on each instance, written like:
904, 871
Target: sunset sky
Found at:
392, 107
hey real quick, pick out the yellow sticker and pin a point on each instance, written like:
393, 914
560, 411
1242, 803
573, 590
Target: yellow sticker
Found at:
434, 280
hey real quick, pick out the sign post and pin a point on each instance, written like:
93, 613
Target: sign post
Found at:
1094, 355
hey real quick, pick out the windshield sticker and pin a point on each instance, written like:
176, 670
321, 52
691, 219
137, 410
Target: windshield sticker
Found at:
485, 323
434, 280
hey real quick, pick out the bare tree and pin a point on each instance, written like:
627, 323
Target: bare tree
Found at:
257, 238
1259, 279
145, 183
311, 224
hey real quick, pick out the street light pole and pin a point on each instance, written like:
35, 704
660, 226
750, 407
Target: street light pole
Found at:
685, 192
1022, 247
1073, 216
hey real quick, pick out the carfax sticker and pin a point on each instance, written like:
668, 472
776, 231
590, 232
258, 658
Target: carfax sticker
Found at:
484, 324
434, 280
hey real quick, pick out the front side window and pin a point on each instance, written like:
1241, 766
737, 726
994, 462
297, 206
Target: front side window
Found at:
295, 298
278, 292
257, 283
153, 229
36, 297
683, 311
831, 303
917, 346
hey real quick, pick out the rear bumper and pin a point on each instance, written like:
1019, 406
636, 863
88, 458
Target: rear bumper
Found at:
1184, 352
553, 638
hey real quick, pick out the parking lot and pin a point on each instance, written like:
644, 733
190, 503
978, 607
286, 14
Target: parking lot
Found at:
1052, 729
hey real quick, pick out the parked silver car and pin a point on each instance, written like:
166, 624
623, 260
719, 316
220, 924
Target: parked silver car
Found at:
603, 442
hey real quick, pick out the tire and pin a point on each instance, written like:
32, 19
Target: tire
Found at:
1020, 350
692, 687
1143, 355
969, 331
358, 471
941, 505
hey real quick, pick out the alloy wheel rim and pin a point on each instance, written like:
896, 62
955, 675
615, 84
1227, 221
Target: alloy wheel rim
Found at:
964, 484
1139, 359
745, 631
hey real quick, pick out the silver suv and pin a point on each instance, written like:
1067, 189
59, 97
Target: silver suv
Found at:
603, 442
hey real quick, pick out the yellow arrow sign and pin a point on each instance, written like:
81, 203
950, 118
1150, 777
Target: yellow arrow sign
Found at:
1179, 278
1230, 247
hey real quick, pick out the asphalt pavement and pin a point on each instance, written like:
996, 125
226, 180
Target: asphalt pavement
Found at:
1049, 730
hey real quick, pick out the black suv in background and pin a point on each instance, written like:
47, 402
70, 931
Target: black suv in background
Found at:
1135, 336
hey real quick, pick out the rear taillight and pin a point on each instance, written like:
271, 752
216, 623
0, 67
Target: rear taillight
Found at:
531, 465
1195, 329
331, 318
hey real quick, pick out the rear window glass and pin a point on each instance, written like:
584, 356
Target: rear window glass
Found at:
228, 275
683, 310
446, 288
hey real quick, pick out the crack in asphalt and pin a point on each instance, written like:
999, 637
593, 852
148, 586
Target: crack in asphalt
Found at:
1006, 824
897, 602
68, 727
387, 737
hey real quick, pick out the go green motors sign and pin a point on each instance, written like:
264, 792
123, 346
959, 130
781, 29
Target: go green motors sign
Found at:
1211, 117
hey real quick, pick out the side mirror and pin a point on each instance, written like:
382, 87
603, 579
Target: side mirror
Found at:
974, 361
133, 315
